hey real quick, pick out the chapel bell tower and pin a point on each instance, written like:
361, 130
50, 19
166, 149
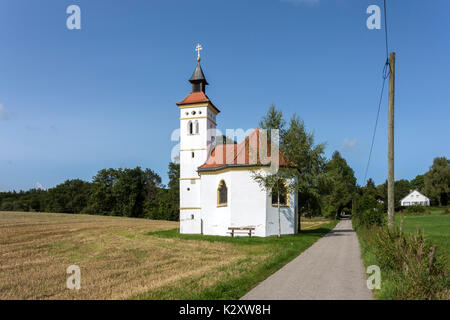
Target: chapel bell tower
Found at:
197, 137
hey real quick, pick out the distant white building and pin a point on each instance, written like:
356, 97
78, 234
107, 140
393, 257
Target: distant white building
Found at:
415, 198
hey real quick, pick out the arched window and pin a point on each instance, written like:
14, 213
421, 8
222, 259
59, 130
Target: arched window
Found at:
284, 199
222, 194
196, 127
190, 128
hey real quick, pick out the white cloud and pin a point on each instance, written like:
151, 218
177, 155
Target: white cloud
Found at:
3, 114
39, 186
348, 144
300, 2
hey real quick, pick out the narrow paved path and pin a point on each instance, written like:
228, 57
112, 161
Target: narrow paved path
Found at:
330, 269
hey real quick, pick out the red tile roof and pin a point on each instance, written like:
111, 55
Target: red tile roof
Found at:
197, 97
194, 97
247, 153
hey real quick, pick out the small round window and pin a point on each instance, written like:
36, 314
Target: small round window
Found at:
193, 112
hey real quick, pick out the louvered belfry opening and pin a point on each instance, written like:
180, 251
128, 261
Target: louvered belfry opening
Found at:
198, 80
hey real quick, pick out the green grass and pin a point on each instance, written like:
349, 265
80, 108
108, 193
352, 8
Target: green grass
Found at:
435, 227
263, 257
438, 210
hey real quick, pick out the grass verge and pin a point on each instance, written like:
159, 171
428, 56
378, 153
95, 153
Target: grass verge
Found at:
408, 268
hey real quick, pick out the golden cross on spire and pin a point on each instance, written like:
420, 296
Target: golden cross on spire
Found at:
198, 48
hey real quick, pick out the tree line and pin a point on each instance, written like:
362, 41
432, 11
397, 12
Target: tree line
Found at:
326, 187
118, 192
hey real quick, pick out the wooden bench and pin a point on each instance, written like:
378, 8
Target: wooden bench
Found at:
247, 230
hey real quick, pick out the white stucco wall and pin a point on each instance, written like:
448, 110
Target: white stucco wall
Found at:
190, 221
288, 216
248, 205
215, 219
194, 151
247, 202
190, 191
415, 198
245, 206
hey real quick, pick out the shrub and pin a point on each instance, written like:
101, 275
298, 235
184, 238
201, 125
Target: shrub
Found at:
329, 211
370, 217
7, 206
417, 270
19, 206
415, 210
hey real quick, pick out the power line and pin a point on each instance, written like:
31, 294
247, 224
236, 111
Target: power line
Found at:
386, 32
385, 76
375, 128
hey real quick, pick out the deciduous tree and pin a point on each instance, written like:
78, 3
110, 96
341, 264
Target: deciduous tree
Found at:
437, 181
338, 184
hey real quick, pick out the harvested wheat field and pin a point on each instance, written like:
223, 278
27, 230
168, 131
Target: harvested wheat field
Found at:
122, 258
115, 257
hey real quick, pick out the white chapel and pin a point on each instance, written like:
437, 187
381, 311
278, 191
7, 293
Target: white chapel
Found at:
217, 190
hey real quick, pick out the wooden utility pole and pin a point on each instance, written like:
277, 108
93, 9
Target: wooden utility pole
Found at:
391, 204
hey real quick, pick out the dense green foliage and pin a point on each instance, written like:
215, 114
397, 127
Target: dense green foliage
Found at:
325, 187
418, 182
118, 192
437, 181
414, 210
298, 147
370, 217
338, 186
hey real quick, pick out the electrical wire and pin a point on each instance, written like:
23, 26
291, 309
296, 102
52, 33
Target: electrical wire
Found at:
384, 76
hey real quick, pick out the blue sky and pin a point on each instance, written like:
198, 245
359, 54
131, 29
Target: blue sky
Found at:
76, 101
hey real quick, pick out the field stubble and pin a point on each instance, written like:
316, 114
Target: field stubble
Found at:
126, 258
116, 258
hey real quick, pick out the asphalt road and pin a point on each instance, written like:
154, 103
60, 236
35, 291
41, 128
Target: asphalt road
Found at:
331, 269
